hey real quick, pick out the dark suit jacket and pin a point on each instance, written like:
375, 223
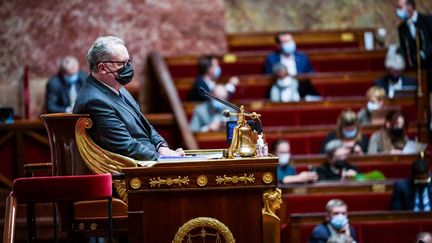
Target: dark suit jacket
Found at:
321, 233
194, 94
118, 126
302, 62
384, 82
57, 92
404, 193
408, 43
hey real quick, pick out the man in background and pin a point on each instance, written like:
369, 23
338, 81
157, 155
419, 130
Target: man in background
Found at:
62, 88
287, 54
336, 226
209, 71
414, 192
208, 115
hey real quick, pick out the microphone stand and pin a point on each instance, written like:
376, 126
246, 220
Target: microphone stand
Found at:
204, 93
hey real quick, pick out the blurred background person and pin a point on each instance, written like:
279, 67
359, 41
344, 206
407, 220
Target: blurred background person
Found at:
348, 131
391, 138
414, 192
394, 80
376, 97
208, 115
336, 227
424, 237
286, 172
286, 88
287, 54
209, 71
62, 88
336, 167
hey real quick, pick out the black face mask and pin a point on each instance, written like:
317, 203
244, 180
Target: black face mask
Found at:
397, 132
340, 163
125, 74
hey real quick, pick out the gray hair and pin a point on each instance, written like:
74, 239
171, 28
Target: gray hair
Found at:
101, 50
332, 146
334, 203
395, 61
67, 63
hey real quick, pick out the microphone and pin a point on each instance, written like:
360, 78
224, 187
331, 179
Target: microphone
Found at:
204, 93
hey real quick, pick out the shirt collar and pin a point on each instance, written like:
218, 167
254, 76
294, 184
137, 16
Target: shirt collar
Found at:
414, 18
111, 88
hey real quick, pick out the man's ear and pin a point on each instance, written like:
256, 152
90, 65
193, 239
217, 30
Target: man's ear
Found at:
101, 68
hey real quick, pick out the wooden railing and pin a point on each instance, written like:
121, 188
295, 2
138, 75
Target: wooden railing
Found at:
164, 78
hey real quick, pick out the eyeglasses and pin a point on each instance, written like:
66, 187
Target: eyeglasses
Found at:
124, 63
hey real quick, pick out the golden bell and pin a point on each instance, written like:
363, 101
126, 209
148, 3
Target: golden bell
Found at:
242, 143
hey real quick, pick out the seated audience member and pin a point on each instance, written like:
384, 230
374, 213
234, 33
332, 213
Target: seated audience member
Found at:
288, 89
209, 71
208, 115
394, 80
415, 192
336, 227
348, 130
62, 88
286, 172
336, 167
296, 62
391, 138
424, 237
376, 97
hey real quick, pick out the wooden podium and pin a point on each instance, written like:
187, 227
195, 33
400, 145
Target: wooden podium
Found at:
216, 199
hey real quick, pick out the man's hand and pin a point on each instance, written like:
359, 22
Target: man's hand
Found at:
308, 176
350, 173
214, 126
169, 152
234, 80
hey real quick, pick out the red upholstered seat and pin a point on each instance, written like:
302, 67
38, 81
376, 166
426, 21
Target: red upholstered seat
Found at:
62, 188
32, 190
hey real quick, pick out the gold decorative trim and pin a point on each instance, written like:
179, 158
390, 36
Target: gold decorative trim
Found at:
99, 160
135, 183
169, 181
81, 226
267, 178
93, 226
203, 222
272, 199
235, 179
202, 180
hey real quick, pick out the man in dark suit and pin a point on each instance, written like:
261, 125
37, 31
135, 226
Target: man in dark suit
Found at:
209, 71
414, 192
336, 226
62, 88
118, 124
296, 62
394, 80
414, 25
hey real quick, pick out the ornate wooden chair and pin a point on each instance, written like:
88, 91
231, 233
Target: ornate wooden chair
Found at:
74, 153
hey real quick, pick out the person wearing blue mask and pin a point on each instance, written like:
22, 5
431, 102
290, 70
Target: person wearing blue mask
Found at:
209, 71
62, 88
208, 115
348, 130
336, 227
287, 54
286, 172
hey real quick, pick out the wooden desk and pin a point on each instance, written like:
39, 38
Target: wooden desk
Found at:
167, 196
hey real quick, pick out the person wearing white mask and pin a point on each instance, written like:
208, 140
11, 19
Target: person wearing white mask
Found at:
62, 88
286, 88
208, 115
209, 71
336, 227
376, 97
286, 172
287, 54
